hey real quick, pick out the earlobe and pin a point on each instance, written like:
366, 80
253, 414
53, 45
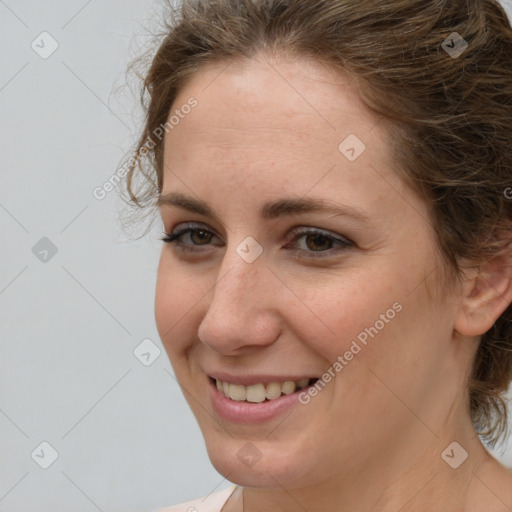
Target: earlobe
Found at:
485, 296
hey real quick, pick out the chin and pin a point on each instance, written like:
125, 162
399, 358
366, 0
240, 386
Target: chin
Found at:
240, 462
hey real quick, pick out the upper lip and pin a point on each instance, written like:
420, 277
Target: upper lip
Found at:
249, 380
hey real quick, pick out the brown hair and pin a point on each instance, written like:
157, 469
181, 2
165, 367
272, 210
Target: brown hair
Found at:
449, 116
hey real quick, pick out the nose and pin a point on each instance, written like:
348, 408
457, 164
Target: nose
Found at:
242, 307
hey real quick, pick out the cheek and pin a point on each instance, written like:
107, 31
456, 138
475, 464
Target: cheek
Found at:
371, 320
175, 299
347, 310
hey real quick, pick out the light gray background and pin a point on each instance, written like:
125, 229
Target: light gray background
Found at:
125, 438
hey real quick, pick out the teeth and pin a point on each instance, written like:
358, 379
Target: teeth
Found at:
302, 383
288, 387
255, 393
258, 393
273, 390
237, 392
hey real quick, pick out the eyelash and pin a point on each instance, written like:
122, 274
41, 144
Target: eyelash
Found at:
173, 238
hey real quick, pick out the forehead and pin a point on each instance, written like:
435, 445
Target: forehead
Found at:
268, 125
259, 98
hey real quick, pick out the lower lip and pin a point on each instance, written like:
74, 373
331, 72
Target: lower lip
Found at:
249, 412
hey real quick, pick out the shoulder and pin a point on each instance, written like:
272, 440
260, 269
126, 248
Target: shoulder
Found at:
211, 503
492, 487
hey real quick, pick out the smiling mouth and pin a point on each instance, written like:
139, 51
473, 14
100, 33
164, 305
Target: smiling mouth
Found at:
262, 392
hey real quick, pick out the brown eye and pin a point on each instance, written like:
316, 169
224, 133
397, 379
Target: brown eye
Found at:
200, 236
318, 242
187, 238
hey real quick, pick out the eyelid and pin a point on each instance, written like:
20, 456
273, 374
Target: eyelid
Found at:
296, 233
303, 230
299, 230
188, 227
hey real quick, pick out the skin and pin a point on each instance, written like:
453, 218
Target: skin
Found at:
269, 128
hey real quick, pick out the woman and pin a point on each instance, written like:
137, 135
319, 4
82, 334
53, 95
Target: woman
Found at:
335, 289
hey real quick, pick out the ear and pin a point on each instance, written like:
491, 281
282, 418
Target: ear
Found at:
486, 294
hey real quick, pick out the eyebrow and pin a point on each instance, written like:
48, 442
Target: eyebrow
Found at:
270, 210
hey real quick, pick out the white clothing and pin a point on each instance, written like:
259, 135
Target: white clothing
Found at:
211, 503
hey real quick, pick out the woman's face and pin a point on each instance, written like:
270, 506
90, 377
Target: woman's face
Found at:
265, 293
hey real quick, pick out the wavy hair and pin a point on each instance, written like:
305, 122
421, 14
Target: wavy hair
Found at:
449, 116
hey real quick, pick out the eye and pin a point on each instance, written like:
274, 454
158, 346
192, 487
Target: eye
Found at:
195, 234
318, 243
